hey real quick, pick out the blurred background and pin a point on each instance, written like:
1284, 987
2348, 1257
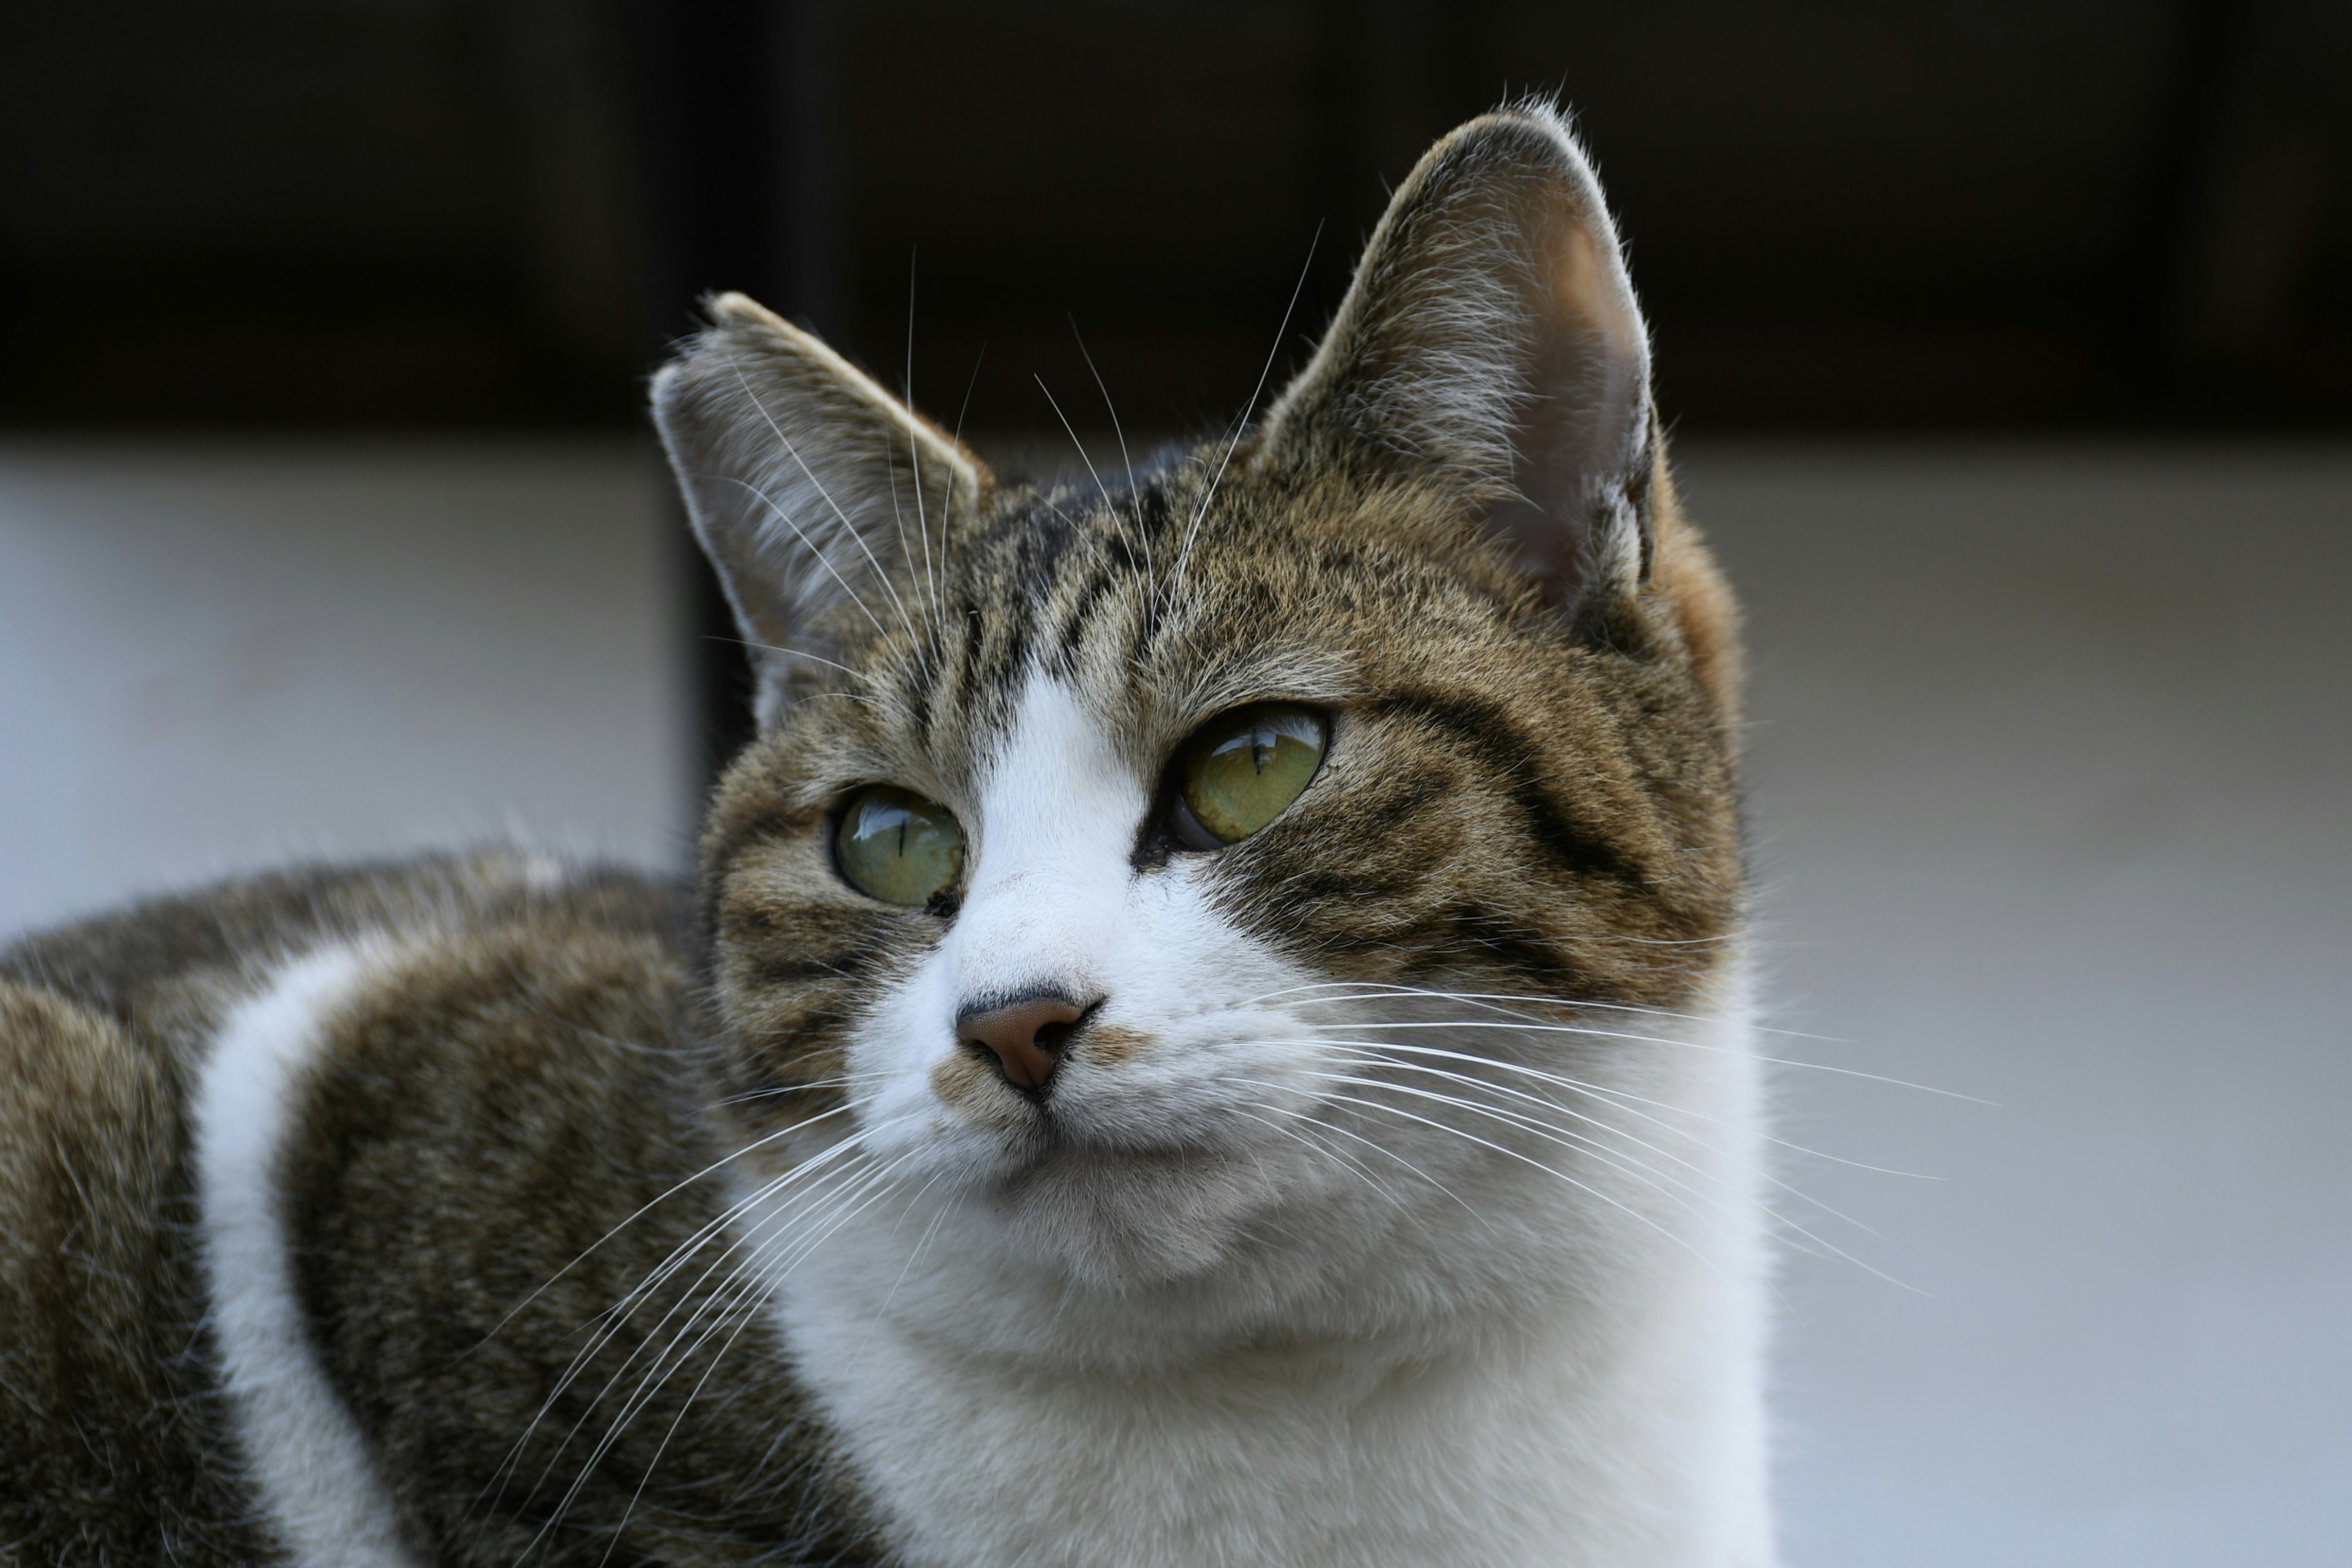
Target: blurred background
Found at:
2008, 350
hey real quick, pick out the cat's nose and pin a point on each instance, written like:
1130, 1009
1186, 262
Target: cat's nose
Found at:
1024, 1037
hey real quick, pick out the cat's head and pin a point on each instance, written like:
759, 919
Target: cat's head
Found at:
1161, 863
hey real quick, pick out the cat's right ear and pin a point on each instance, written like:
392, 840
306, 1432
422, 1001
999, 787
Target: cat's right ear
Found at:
807, 484
1491, 339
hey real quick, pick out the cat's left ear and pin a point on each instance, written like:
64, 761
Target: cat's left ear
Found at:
813, 491
1491, 335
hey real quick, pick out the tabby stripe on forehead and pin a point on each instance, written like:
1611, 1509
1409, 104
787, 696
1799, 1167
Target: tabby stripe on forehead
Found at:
1495, 741
1073, 629
1012, 657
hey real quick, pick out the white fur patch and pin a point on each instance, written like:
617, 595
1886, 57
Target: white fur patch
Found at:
304, 1452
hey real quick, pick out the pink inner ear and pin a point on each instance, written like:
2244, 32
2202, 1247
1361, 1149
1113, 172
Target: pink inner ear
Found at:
1587, 295
1579, 434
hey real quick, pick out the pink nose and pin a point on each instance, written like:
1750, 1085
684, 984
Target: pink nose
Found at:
1023, 1037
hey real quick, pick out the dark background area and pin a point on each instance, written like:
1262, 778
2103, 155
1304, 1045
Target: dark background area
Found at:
2065, 214
2062, 216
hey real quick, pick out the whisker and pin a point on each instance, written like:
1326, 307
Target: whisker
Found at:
1374, 990
1345, 1160
603, 1445
1588, 1032
1150, 578
646, 1208
920, 1242
619, 1314
1621, 1097
1611, 1157
743, 1308
914, 461
1184, 558
1567, 1139
1584, 1187
813, 549
1371, 1143
1083, 457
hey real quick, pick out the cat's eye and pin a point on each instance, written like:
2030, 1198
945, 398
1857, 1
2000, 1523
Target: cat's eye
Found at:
898, 847
1241, 768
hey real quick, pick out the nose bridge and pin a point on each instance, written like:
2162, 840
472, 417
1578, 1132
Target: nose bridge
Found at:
1040, 909
1050, 878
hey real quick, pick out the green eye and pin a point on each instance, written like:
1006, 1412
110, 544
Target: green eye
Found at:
898, 847
1241, 768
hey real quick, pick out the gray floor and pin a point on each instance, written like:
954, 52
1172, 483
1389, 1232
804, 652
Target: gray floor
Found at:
2048, 751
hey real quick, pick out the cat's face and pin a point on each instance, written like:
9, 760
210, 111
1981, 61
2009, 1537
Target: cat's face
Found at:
1169, 863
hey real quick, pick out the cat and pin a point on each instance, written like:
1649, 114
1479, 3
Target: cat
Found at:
1211, 1026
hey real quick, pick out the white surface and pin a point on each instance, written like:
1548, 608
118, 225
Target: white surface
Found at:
2050, 764
218, 657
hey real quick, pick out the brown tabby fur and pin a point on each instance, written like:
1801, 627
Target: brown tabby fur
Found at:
1531, 779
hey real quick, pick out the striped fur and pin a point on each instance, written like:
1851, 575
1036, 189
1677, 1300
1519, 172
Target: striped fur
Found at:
1392, 1199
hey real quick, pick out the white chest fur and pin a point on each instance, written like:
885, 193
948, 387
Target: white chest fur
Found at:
1501, 1452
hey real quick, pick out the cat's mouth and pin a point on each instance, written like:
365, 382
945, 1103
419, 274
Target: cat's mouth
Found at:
1054, 1153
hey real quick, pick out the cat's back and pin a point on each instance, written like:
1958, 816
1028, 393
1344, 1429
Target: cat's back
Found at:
156, 964
113, 1032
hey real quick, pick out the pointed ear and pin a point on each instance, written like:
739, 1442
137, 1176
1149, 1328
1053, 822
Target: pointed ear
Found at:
1491, 335
810, 487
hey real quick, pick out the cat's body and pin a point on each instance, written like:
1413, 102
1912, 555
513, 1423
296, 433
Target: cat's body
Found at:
1028, 1144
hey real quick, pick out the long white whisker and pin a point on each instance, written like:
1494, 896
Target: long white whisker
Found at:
692, 1293
899, 522
914, 461
1377, 1051
1081, 445
1607, 1096
1578, 1143
1150, 578
618, 1316
1529, 1159
1612, 1157
821, 558
1347, 1162
1184, 558
650, 1203
1523, 1025
1375, 990
920, 1242
743, 1306
1068, 429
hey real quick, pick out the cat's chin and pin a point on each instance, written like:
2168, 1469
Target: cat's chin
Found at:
1126, 1218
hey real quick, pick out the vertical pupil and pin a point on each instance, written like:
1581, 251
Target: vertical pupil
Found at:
1261, 747
902, 835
